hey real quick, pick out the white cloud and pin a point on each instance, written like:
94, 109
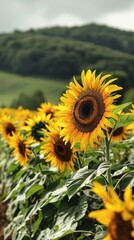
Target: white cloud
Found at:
26, 14
122, 19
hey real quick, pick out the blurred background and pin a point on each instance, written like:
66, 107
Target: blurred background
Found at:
44, 43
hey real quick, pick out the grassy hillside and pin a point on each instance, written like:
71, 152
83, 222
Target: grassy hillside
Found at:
62, 52
11, 85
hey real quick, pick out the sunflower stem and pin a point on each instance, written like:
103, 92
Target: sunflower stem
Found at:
107, 156
79, 161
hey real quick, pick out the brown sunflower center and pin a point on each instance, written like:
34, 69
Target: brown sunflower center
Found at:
120, 229
22, 148
118, 131
88, 111
10, 129
63, 151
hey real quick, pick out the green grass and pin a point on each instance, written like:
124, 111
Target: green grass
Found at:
11, 85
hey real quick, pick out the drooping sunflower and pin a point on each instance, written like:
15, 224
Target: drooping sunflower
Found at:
8, 126
61, 155
118, 215
47, 108
22, 147
87, 109
35, 125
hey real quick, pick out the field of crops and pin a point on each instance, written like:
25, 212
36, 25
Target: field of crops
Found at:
67, 170
12, 85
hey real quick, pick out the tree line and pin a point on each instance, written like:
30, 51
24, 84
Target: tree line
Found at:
62, 52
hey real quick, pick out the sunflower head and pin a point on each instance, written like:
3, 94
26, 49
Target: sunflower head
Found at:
8, 126
118, 215
119, 134
47, 109
35, 126
86, 109
61, 155
21, 148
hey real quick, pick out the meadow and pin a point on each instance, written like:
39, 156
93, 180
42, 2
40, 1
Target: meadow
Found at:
11, 85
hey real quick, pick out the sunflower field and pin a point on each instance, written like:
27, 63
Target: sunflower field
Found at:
67, 170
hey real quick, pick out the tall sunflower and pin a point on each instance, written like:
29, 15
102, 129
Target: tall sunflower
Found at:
118, 215
87, 108
8, 126
22, 148
35, 125
120, 134
61, 155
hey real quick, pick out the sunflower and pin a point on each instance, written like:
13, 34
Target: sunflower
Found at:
35, 125
22, 147
119, 134
87, 109
8, 126
22, 115
118, 215
123, 132
47, 109
56, 151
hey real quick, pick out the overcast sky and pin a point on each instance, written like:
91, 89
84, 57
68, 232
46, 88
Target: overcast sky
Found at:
27, 14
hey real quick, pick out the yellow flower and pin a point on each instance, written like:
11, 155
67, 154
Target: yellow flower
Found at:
118, 215
87, 109
22, 115
47, 108
35, 125
120, 134
56, 151
7, 127
22, 148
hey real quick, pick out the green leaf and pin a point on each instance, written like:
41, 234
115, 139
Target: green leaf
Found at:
121, 107
83, 177
124, 120
103, 167
128, 180
33, 189
79, 180
8, 230
20, 185
37, 223
68, 217
53, 196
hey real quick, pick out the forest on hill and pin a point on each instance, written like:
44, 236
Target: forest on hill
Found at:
62, 52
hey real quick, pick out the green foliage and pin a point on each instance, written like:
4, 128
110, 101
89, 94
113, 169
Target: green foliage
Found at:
46, 204
29, 102
62, 52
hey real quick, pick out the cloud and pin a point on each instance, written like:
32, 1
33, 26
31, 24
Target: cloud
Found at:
25, 14
121, 19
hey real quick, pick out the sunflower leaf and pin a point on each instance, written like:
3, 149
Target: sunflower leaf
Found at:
83, 177
121, 107
124, 120
103, 167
